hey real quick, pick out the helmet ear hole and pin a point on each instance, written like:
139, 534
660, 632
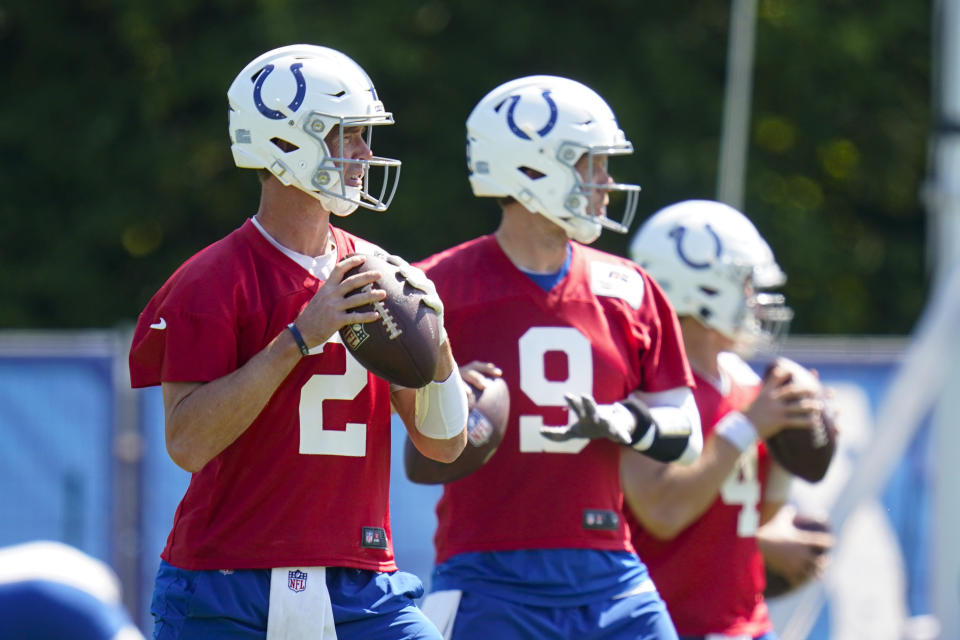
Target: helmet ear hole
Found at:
533, 174
284, 145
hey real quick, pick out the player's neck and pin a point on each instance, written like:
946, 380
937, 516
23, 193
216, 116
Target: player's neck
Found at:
294, 219
703, 349
530, 241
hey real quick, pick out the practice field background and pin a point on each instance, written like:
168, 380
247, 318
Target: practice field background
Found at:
82, 460
834, 125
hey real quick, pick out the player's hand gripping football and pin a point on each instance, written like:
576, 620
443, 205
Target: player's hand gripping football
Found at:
332, 307
477, 375
611, 421
795, 549
417, 279
784, 404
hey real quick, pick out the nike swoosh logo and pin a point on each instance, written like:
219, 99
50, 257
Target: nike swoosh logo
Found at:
161, 325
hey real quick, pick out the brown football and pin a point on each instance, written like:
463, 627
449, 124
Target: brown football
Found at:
403, 345
486, 424
804, 453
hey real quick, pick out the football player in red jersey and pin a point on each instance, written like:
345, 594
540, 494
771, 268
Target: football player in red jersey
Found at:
284, 530
533, 544
696, 527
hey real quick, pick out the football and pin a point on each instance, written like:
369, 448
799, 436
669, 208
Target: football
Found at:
804, 453
403, 345
777, 584
486, 424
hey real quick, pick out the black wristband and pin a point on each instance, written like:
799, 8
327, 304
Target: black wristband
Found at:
642, 415
304, 349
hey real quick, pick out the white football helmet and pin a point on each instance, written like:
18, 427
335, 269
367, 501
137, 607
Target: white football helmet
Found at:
714, 265
546, 124
285, 103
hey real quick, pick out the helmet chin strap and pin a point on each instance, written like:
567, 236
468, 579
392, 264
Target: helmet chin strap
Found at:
577, 229
581, 230
340, 206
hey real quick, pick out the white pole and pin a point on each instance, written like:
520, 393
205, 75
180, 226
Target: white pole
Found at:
735, 131
943, 187
944, 217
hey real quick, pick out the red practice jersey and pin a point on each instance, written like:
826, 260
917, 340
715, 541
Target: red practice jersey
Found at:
605, 329
711, 575
307, 483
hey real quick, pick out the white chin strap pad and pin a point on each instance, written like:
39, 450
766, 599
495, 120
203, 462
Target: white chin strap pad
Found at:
340, 206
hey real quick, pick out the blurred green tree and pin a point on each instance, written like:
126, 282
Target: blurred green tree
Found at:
115, 163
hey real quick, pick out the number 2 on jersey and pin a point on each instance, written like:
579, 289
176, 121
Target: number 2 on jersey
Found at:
316, 440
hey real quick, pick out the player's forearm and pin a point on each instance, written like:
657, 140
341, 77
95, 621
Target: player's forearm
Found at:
445, 364
667, 498
203, 419
769, 510
668, 425
440, 450
435, 417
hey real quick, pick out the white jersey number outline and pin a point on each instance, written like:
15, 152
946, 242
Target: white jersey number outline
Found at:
534, 345
314, 439
742, 487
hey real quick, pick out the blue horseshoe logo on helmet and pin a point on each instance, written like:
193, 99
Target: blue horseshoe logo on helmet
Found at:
547, 128
273, 114
677, 234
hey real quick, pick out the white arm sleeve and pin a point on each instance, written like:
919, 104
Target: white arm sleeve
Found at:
441, 408
677, 436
